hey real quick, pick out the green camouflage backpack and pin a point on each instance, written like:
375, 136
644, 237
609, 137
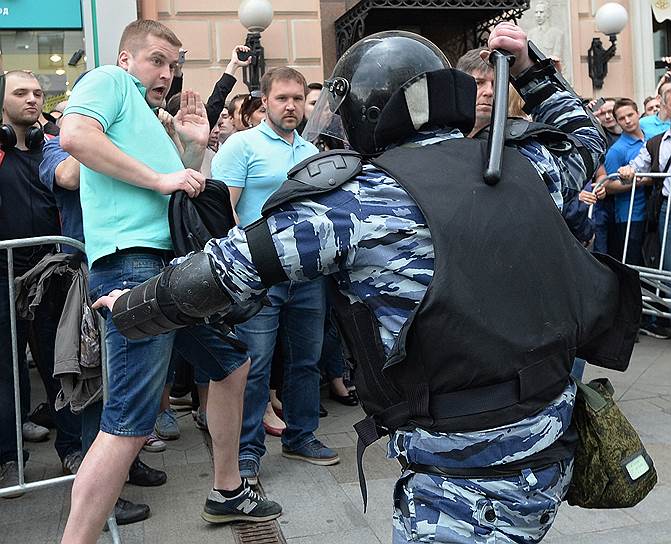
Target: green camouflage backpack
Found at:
612, 468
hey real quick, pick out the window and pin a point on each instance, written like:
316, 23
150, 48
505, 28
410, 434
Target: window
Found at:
661, 36
47, 54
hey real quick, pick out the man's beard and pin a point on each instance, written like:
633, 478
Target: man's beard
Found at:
280, 124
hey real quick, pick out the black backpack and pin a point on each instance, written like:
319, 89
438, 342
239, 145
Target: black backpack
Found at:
193, 222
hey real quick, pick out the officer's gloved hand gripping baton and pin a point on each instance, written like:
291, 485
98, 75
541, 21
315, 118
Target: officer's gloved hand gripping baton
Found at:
502, 61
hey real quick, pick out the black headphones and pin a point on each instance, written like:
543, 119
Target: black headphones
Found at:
33, 141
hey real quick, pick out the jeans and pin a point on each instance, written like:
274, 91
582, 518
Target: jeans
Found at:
137, 368
90, 424
45, 324
635, 245
211, 357
601, 232
666, 258
297, 312
332, 362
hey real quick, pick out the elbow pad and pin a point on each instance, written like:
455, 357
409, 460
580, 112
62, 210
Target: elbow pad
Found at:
181, 295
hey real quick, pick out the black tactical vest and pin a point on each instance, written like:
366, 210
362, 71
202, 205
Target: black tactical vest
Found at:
512, 297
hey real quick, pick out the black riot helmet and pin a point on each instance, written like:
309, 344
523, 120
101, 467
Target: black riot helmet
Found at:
367, 75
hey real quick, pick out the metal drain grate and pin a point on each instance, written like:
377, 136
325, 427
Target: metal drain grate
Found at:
266, 532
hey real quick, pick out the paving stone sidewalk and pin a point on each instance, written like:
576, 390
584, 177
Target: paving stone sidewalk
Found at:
322, 505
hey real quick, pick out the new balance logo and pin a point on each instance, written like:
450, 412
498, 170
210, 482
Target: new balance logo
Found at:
247, 506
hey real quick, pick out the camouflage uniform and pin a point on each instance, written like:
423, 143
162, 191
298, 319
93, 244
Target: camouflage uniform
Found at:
374, 241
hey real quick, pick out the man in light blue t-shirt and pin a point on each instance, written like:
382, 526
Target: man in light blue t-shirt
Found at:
652, 125
129, 167
254, 163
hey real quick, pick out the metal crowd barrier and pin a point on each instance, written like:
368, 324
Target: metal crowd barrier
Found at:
655, 282
9, 246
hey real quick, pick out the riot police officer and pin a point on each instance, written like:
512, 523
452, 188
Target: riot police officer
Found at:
461, 303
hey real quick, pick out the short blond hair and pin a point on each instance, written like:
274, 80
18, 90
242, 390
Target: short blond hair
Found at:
135, 35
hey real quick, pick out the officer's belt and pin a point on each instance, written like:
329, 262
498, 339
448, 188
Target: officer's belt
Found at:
456, 404
466, 402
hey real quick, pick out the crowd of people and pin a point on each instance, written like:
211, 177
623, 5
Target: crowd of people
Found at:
101, 168
631, 149
64, 189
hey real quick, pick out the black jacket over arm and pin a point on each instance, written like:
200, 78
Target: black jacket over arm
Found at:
215, 103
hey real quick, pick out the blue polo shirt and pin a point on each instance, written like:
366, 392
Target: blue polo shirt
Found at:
258, 161
625, 149
652, 125
67, 201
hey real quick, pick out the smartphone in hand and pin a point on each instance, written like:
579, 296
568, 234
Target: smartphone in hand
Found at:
597, 105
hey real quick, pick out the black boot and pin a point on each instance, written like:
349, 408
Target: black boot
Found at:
144, 475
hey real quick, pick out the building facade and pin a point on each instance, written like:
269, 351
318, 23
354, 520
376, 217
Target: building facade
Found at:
310, 35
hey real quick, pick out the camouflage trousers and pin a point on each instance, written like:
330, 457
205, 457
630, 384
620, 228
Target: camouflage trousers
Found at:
511, 510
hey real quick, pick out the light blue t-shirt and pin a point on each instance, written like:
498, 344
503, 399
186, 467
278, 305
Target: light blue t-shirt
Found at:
651, 125
116, 214
257, 160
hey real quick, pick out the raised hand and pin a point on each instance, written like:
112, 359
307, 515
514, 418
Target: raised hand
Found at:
191, 122
511, 38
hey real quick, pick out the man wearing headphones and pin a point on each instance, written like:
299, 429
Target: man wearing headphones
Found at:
27, 209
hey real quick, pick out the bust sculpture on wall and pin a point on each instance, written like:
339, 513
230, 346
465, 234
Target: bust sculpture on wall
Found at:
547, 25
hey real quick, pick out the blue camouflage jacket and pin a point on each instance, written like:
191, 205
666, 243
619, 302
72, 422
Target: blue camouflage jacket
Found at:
373, 239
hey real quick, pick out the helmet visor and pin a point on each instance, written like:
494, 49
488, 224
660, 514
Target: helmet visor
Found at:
324, 121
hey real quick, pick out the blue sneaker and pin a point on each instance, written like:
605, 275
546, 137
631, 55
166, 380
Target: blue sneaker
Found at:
249, 470
247, 506
313, 452
166, 427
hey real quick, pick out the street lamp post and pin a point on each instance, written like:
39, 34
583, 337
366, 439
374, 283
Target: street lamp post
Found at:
255, 16
610, 18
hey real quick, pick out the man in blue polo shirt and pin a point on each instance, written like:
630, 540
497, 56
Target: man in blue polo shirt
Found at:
621, 152
254, 163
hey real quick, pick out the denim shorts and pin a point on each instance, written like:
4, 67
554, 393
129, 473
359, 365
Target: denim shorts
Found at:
137, 368
212, 357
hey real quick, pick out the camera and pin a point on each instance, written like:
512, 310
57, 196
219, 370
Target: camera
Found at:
244, 55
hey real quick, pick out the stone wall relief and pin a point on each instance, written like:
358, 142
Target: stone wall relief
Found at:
548, 25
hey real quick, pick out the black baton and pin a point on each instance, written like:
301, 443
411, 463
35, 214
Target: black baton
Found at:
502, 61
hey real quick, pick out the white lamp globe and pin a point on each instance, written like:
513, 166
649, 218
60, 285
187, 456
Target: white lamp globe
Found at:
256, 15
611, 18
